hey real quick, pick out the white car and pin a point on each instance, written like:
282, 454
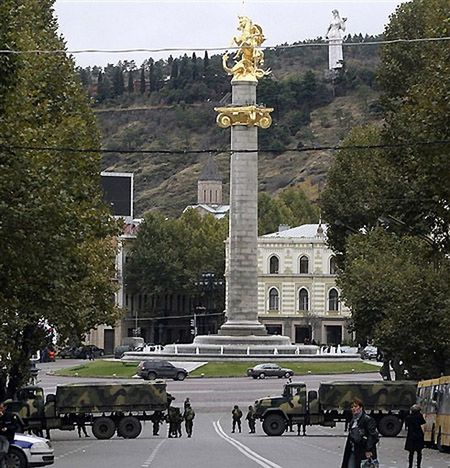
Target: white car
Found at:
28, 451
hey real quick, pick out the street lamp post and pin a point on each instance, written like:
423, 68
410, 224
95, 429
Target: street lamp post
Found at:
207, 286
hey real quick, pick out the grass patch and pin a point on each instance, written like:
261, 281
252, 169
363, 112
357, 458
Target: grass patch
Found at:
101, 369
239, 369
215, 369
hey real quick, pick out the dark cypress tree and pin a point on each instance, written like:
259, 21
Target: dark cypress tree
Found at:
130, 87
151, 76
117, 81
194, 67
103, 87
142, 81
174, 74
205, 65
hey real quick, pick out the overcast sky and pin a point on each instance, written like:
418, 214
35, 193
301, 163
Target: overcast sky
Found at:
130, 24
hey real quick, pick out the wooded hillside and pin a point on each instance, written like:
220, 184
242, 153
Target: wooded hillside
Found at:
169, 104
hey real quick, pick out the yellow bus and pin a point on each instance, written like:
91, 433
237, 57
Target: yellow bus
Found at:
434, 398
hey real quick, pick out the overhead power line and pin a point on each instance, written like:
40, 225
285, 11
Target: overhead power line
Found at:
221, 150
216, 49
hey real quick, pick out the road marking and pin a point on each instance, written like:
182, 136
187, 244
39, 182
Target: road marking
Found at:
264, 462
73, 452
152, 456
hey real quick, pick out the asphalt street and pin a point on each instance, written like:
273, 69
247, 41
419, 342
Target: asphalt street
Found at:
213, 444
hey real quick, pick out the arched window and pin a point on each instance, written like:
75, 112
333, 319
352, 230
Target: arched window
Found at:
274, 265
304, 265
303, 299
333, 270
274, 299
333, 300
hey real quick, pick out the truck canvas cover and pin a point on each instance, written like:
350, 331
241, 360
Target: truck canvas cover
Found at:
103, 397
385, 396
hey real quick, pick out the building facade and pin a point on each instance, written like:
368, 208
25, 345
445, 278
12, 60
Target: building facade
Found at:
297, 292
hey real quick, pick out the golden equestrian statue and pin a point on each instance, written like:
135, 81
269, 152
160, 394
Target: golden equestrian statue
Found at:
248, 57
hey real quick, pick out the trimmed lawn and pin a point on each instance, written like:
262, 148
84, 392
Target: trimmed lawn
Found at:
239, 369
113, 369
101, 368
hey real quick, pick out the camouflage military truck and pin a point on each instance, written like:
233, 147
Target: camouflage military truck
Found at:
107, 407
387, 402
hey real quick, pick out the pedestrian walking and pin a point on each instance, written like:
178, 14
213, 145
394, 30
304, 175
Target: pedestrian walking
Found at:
236, 415
188, 417
362, 437
415, 436
251, 419
186, 403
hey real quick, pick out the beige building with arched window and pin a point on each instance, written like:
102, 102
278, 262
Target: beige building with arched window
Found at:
297, 292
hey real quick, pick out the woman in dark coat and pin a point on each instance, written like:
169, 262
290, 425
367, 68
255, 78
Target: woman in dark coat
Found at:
415, 436
362, 437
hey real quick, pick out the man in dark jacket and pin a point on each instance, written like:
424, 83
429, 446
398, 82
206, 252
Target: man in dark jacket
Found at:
415, 437
9, 424
362, 437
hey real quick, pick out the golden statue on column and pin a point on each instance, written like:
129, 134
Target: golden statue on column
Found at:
249, 58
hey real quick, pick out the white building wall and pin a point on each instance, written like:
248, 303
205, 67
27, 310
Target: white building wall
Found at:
289, 281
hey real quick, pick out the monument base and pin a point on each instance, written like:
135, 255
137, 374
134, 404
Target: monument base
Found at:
242, 328
228, 341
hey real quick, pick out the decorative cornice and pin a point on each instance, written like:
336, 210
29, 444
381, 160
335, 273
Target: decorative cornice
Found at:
249, 116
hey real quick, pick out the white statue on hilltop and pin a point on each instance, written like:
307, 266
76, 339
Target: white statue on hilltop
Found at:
335, 36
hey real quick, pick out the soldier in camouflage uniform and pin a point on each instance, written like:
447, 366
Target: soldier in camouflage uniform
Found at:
251, 419
188, 417
236, 416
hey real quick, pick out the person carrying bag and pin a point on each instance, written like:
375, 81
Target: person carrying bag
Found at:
360, 448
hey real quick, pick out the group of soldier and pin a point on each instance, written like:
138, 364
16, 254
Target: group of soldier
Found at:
236, 416
175, 419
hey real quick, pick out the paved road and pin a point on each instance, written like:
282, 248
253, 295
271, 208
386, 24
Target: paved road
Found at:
213, 445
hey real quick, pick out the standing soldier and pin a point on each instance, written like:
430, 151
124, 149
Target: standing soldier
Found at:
157, 418
188, 417
251, 419
178, 421
171, 420
236, 415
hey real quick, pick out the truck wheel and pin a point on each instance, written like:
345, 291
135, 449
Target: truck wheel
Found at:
287, 375
274, 425
103, 428
390, 425
129, 427
262, 375
181, 376
16, 459
151, 376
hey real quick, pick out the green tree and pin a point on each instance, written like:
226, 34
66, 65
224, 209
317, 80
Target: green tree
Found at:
118, 84
142, 81
270, 214
400, 299
130, 85
169, 255
405, 189
56, 248
302, 211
